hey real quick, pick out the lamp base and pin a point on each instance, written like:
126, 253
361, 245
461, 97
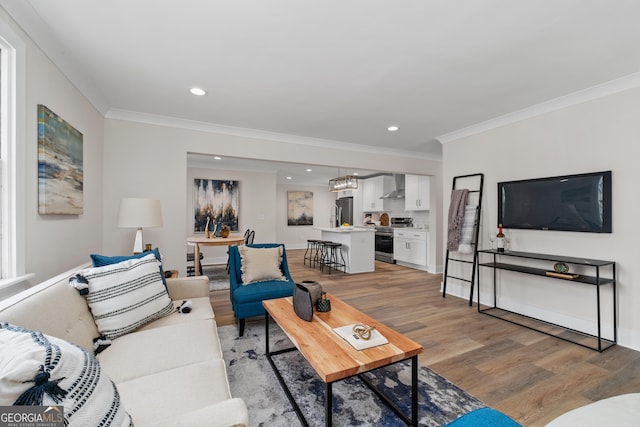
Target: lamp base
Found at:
137, 244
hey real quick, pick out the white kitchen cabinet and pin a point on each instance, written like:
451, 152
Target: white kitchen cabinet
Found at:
416, 192
373, 189
410, 246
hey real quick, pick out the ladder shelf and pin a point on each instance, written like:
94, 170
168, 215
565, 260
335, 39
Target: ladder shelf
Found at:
476, 182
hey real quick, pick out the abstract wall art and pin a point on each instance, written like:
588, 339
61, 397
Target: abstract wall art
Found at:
60, 165
299, 207
216, 200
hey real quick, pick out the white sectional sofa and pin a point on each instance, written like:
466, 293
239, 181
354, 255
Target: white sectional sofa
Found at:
170, 372
620, 411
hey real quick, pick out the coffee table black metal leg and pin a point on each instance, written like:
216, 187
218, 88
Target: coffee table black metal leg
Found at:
414, 391
266, 332
328, 405
269, 354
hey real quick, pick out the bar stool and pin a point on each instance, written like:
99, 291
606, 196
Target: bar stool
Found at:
321, 253
311, 253
332, 249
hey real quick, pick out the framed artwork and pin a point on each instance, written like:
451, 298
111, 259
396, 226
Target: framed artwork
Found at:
60, 170
299, 207
216, 200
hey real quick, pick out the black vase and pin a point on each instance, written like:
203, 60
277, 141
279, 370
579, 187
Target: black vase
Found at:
323, 305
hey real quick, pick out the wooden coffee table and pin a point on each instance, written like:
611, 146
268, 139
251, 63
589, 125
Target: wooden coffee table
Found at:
333, 358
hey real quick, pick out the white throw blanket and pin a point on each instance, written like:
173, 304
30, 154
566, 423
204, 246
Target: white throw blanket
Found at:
466, 234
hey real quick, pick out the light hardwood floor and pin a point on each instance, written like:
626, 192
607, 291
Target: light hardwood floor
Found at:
529, 376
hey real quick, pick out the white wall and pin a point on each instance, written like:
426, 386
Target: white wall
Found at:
256, 206
57, 243
295, 237
597, 135
150, 160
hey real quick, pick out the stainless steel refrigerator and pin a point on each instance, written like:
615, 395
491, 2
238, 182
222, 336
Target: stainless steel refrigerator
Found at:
345, 207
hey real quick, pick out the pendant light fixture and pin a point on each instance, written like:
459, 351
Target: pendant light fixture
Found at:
346, 182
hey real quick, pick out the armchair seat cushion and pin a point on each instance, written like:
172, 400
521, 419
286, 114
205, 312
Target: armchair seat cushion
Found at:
262, 291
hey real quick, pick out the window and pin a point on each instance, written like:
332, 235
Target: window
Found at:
12, 157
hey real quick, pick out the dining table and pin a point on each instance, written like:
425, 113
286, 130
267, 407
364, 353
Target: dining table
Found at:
198, 241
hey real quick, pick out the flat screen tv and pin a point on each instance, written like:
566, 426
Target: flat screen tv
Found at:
564, 203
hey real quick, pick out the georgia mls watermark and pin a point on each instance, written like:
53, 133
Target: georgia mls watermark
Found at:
31, 416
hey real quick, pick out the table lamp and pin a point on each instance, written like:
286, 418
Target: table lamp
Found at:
139, 213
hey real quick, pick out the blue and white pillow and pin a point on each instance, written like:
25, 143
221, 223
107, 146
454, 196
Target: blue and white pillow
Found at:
124, 296
101, 260
36, 369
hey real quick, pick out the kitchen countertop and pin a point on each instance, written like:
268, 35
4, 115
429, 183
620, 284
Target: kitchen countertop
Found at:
344, 229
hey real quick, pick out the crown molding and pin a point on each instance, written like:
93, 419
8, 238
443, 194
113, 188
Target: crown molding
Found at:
608, 88
154, 119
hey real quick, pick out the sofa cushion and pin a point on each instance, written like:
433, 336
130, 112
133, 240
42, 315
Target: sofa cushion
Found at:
34, 308
230, 412
72, 376
124, 296
150, 351
101, 260
153, 398
200, 310
261, 264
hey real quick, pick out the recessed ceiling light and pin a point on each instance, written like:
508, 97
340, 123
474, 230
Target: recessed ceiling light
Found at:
393, 128
355, 173
217, 157
197, 91
308, 170
288, 177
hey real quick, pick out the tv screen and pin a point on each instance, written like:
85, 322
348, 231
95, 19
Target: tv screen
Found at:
565, 203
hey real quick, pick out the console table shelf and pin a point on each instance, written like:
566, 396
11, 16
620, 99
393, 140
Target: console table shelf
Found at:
589, 280
595, 281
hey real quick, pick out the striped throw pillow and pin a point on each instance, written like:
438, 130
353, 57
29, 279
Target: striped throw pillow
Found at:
40, 370
124, 296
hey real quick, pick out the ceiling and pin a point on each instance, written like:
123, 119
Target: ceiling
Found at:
335, 71
285, 173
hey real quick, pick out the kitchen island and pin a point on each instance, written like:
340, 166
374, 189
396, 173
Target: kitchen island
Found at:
358, 246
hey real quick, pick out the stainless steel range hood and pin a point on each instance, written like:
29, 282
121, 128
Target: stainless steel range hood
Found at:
398, 190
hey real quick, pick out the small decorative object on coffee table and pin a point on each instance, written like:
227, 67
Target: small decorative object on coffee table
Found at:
324, 304
314, 288
302, 304
361, 336
363, 331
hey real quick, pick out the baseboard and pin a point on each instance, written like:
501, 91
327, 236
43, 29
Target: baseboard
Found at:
213, 261
414, 266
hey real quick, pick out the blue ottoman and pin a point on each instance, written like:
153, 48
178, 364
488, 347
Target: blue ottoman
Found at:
484, 417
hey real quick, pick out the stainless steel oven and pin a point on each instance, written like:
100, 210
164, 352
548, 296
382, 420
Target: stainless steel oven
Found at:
384, 239
384, 244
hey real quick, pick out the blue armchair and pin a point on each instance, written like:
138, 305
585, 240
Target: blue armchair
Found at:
246, 301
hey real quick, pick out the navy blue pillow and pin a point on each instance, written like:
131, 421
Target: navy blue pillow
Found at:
102, 260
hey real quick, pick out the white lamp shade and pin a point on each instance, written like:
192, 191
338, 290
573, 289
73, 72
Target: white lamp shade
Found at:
140, 213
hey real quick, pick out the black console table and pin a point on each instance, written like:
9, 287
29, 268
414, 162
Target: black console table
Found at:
596, 281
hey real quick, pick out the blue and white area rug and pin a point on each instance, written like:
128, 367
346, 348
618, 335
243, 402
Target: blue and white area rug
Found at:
252, 379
